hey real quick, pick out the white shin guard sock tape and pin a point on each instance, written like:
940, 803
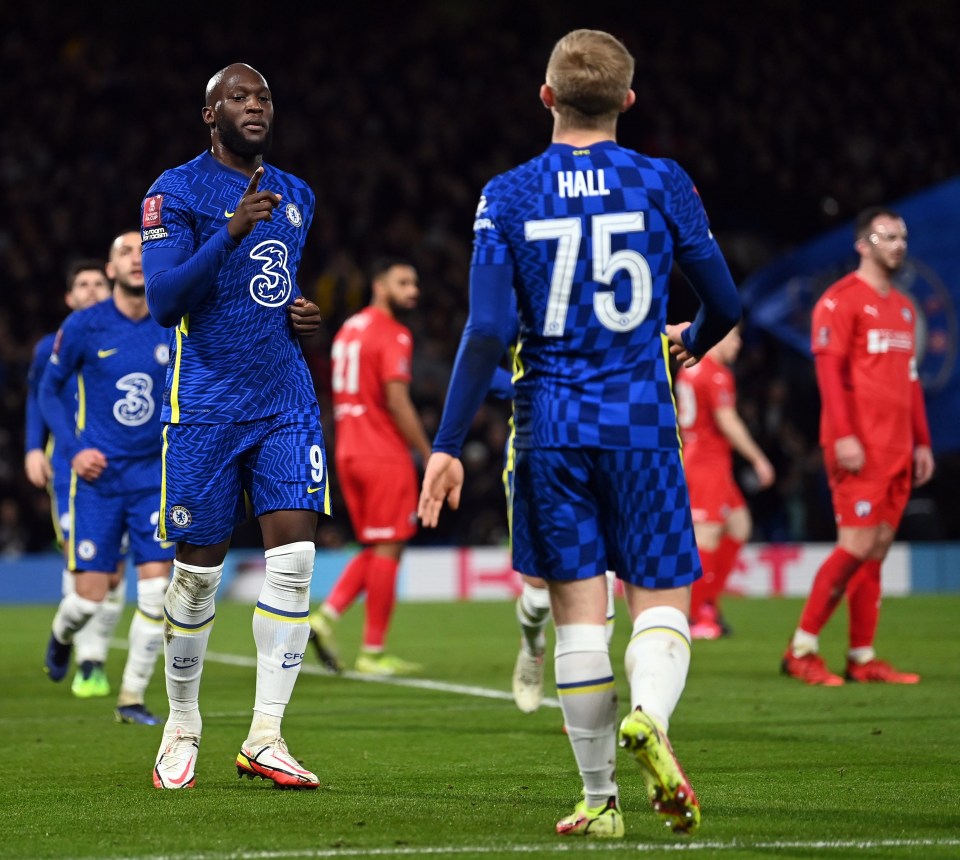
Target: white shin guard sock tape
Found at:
145, 638
189, 609
588, 699
657, 661
280, 631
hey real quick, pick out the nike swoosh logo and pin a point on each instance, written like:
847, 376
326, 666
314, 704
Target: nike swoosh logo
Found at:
228, 214
290, 665
186, 773
106, 353
313, 489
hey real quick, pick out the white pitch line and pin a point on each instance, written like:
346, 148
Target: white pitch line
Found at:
578, 846
416, 683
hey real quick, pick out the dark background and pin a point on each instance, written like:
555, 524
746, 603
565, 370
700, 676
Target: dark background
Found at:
790, 117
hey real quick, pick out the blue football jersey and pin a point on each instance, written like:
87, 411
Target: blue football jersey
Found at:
120, 365
37, 433
234, 357
591, 235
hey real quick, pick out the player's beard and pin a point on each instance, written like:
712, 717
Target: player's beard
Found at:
398, 310
134, 290
232, 138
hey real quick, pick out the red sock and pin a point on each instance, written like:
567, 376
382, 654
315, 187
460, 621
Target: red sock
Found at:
828, 587
724, 557
702, 588
381, 597
352, 581
863, 603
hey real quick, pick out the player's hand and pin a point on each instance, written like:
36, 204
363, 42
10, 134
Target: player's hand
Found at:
254, 206
442, 482
765, 473
677, 348
89, 463
923, 465
37, 467
304, 316
850, 454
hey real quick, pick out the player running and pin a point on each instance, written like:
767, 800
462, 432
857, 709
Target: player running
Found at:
118, 355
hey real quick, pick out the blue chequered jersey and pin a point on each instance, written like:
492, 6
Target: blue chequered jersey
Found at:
120, 366
234, 357
37, 434
591, 235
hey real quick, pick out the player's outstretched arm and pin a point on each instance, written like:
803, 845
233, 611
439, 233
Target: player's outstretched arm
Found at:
442, 482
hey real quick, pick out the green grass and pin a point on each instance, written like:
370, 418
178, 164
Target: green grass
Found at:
781, 769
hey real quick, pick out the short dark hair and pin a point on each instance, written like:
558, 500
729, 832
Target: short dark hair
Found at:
861, 226
379, 266
84, 264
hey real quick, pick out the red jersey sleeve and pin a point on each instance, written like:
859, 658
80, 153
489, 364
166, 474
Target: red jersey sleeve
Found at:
396, 352
833, 324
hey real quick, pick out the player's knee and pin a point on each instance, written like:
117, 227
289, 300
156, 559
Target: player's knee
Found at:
194, 587
150, 594
291, 565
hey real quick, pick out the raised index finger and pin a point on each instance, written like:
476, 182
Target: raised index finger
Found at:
254, 182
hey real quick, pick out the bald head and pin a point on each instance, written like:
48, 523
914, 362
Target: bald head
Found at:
225, 74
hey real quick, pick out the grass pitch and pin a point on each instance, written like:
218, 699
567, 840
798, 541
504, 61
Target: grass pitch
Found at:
445, 766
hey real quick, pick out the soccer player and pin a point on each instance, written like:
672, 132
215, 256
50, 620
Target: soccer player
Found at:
711, 429
240, 414
47, 466
875, 440
377, 427
118, 356
586, 235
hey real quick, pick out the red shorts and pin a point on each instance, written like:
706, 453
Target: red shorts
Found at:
381, 496
713, 494
877, 494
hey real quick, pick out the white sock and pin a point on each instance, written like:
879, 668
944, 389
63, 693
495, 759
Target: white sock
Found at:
588, 699
189, 610
280, 631
533, 613
73, 612
611, 604
862, 655
146, 641
92, 641
804, 643
657, 661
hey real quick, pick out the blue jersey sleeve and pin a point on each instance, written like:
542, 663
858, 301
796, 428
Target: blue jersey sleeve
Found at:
35, 431
720, 308
178, 276
65, 361
485, 338
702, 262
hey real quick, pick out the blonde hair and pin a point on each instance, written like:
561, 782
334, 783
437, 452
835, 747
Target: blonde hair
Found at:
590, 73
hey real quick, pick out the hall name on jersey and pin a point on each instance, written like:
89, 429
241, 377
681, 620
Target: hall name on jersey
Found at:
581, 183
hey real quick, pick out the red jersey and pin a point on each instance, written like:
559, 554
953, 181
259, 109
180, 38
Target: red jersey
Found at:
701, 390
370, 350
874, 335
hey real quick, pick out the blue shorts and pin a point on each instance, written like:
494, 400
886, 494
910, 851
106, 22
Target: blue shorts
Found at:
578, 512
278, 462
122, 504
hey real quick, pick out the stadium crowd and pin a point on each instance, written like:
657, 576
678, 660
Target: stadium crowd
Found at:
790, 118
